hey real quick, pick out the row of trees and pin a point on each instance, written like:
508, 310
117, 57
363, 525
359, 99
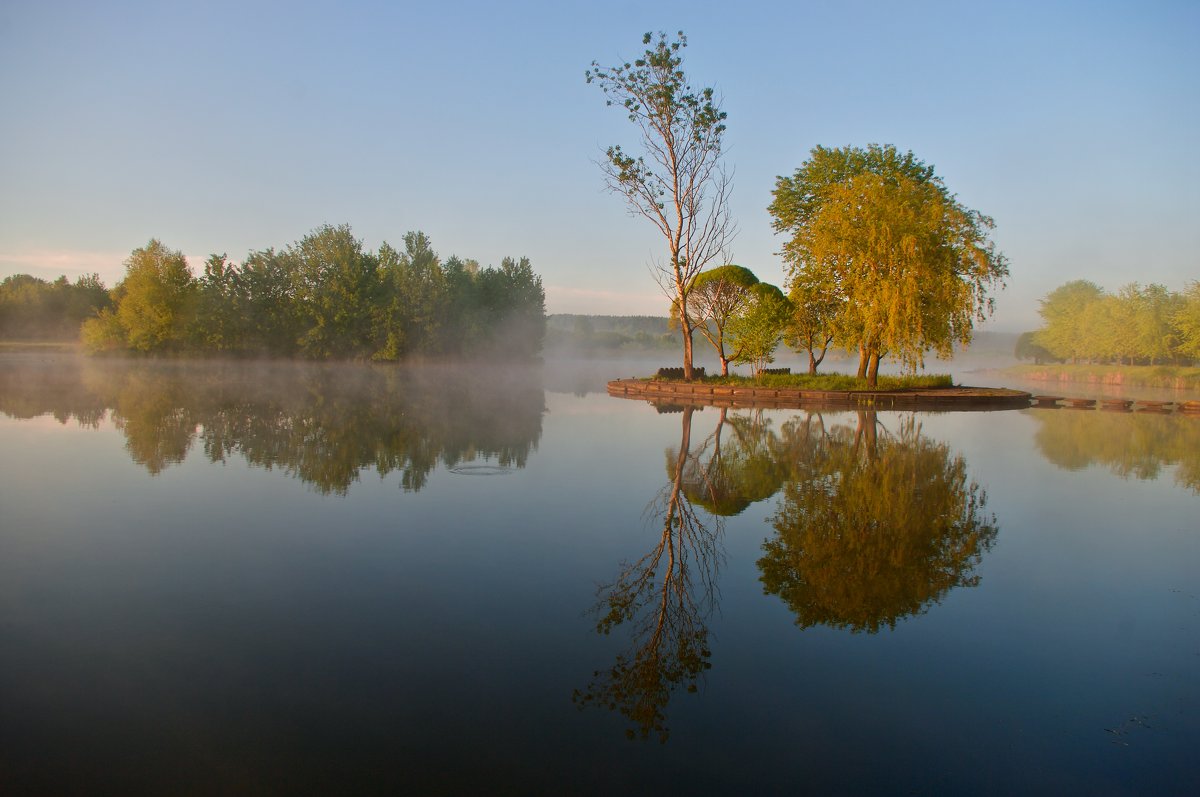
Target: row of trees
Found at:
1137, 325
33, 309
881, 257
324, 296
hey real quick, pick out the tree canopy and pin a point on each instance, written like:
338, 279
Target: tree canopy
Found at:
325, 296
906, 265
1137, 325
717, 295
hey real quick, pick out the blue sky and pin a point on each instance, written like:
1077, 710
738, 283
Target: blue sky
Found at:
229, 127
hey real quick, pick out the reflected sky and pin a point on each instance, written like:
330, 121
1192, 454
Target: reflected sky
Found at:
221, 626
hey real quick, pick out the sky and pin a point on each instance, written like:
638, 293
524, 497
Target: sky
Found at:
232, 127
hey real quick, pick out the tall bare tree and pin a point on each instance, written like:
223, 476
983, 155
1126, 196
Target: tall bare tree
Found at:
679, 182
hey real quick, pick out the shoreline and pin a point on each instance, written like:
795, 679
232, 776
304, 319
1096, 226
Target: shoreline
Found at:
749, 396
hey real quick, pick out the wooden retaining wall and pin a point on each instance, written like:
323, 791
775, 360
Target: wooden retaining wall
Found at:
709, 395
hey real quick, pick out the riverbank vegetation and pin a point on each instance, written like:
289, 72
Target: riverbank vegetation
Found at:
1085, 325
32, 309
323, 297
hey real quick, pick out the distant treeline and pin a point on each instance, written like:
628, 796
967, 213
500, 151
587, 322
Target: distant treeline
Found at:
1136, 326
33, 309
608, 333
322, 297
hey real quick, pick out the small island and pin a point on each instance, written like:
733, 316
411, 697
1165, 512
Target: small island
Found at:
769, 396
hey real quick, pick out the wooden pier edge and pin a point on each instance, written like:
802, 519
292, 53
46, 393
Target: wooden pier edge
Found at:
701, 394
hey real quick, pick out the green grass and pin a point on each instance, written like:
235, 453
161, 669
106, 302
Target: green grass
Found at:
1168, 376
832, 381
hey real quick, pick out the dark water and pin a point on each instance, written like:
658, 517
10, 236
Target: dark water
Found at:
277, 579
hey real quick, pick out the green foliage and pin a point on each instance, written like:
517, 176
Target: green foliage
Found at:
757, 326
902, 265
1138, 325
33, 309
717, 295
325, 297
1027, 348
677, 183
156, 300
1186, 322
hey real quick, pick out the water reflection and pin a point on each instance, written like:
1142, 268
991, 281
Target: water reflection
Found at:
322, 424
663, 599
873, 525
1134, 445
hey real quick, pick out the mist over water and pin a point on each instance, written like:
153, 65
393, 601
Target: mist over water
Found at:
279, 577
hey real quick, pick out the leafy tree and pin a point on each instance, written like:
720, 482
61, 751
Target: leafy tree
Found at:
758, 326
717, 295
813, 323
32, 308
1027, 348
268, 303
678, 182
335, 284
1063, 310
1185, 322
880, 232
156, 298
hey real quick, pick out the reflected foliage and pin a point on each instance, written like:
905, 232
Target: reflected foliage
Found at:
872, 526
664, 600
1131, 445
322, 424
737, 465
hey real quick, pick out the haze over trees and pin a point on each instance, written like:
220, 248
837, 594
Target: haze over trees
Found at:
324, 297
894, 263
1138, 325
678, 182
33, 309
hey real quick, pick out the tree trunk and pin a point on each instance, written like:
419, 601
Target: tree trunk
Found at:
685, 324
873, 370
862, 362
812, 363
724, 365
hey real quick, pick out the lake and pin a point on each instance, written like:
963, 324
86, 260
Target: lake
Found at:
277, 578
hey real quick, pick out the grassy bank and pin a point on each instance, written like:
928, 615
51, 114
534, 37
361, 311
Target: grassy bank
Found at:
1165, 376
832, 381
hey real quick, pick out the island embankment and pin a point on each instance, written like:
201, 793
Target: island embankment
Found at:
754, 396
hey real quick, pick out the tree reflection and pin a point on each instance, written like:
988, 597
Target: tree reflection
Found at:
1134, 445
872, 526
735, 467
664, 599
322, 424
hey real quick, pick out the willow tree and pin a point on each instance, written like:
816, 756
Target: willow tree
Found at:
678, 182
880, 231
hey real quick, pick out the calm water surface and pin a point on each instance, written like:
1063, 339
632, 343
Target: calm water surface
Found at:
273, 579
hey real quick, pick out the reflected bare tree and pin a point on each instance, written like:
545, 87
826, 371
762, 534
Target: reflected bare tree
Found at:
664, 599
